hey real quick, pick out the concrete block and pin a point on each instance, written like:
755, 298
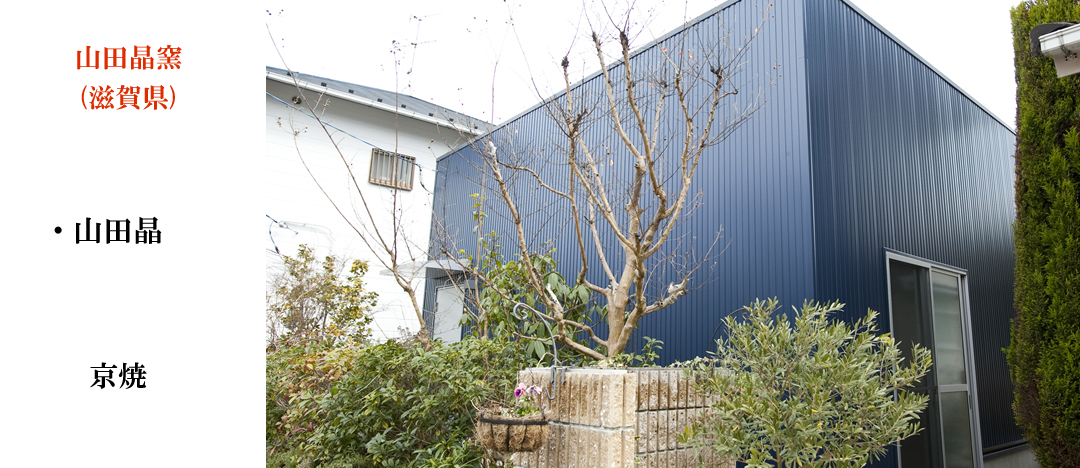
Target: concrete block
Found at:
668, 392
568, 403
684, 385
596, 395
673, 379
654, 428
649, 459
680, 426
593, 442
573, 446
652, 390
577, 398
577, 447
590, 414
563, 399
564, 446
693, 398
671, 428
611, 407
629, 455
591, 449
691, 457
630, 398
544, 455
579, 450
639, 435
548, 406
586, 401
526, 459
641, 403
647, 430
614, 419
603, 457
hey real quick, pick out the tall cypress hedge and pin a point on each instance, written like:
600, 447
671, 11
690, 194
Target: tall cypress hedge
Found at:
1044, 355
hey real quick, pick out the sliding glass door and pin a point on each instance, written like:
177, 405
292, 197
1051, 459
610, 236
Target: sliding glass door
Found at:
929, 306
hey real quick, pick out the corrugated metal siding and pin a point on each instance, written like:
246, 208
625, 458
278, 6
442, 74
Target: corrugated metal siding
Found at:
903, 160
755, 186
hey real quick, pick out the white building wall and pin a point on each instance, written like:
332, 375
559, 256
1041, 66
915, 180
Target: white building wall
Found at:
292, 196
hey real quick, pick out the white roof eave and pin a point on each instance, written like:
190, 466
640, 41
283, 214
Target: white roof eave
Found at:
372, 103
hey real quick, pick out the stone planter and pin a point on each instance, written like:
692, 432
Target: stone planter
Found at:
617, 418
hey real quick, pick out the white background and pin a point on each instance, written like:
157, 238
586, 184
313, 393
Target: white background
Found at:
188, 309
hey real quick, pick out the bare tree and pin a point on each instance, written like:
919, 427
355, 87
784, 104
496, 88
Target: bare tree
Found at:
392, 244
639, 96
688, 81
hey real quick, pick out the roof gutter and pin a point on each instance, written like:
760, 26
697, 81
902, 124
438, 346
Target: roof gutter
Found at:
1061, 41
371, 103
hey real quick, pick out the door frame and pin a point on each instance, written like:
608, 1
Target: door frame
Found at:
440, 319
969, 352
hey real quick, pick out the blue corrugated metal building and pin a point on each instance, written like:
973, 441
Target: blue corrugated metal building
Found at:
867, 177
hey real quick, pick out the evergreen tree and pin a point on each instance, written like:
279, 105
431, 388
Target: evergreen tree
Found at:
1044, 355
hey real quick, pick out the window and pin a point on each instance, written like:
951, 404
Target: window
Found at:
929, 306
391, 169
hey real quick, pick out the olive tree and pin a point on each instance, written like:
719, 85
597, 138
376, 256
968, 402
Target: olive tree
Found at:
805, 392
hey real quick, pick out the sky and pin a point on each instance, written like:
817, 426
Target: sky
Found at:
498, 58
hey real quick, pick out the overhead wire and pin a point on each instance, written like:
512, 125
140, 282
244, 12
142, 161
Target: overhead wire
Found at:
270, 230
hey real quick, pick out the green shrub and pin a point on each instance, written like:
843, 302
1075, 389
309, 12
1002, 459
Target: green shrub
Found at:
281, 459
1044, 355
813, 394
398, 405
298, 378
310, 300
507, 285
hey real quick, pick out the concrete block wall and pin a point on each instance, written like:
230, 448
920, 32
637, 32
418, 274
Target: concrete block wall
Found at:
615, 419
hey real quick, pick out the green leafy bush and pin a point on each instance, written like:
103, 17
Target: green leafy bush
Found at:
310, 300
1044, 355
316, 325
813, 394
298, 378
508, 284
398, 405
